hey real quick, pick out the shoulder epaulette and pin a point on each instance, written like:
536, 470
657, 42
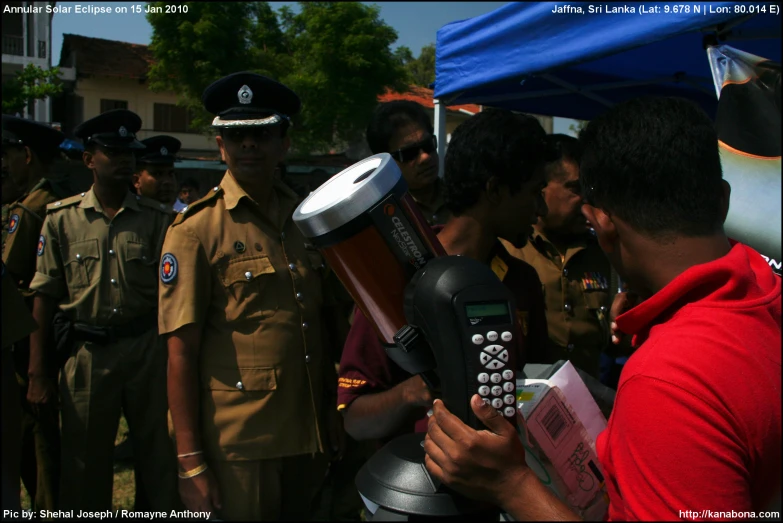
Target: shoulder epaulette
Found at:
154, 204
194, 207
67, 202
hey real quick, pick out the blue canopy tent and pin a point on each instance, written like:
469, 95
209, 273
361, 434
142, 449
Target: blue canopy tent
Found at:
524, 57
527, 58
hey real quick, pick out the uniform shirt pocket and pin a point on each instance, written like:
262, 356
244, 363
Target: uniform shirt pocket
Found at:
81, 262
141, 265
243, 379
249, 284
598, 304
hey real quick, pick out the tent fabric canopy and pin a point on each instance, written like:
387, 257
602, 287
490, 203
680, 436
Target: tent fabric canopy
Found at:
525, 57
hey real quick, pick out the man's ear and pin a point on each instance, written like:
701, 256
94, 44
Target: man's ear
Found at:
605, 229
28, 155
725, 200
222, 146
493, 190
286, 144
87, 158
136, 180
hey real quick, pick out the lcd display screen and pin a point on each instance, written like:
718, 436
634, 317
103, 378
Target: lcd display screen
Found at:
483, 310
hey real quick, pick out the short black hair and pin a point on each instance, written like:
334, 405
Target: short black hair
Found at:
654, 162
389, 117
189, 182
495, 142
568, 149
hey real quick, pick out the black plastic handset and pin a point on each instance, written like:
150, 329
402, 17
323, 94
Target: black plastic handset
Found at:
461, 324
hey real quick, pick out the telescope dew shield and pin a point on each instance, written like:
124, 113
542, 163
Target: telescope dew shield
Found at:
371, 232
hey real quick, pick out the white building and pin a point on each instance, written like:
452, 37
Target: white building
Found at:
27, 39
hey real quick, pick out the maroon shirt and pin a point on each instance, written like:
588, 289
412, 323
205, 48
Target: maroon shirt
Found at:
366, 369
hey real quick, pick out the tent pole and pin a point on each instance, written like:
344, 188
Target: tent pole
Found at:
440, 133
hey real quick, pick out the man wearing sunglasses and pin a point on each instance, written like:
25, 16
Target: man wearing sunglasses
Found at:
403, 129
28, 151
241, 303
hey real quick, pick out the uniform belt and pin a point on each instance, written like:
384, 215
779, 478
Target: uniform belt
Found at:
105, 335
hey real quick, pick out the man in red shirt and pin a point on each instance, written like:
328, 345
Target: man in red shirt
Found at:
493, 180
696, 424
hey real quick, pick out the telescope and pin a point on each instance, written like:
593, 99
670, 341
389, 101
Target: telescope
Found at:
446, 318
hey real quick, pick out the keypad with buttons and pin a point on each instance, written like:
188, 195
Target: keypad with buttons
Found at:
496, 382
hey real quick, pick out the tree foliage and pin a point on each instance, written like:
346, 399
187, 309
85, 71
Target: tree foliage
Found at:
335, 55
421, 69
31, 83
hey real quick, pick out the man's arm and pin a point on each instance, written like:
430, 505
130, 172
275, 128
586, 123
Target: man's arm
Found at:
183, 390
43, 312
378, 415
489, 465
375, 394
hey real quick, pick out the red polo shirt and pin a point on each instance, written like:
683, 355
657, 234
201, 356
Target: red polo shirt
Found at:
365, 368
696, 423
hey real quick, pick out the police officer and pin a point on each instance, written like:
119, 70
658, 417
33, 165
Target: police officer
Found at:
250, 381
17, 324
155, 176
577, 279
28, 150
97, 266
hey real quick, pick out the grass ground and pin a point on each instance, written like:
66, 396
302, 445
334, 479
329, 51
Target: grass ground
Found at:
124, 486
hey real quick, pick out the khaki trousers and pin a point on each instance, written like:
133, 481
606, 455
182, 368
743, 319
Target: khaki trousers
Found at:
282, 489
97, 384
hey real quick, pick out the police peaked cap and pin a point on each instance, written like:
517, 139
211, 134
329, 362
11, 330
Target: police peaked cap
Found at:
42, 139
114, 129
248, 100
160, 149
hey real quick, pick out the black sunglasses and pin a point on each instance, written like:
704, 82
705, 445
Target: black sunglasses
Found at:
411, 152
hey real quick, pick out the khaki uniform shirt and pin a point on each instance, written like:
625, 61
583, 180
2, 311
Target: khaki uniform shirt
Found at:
101, 270
437, 213
246, 275
22, 222
577, 296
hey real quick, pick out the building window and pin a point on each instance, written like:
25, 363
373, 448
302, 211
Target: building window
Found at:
110, 105
171, 118
41, 49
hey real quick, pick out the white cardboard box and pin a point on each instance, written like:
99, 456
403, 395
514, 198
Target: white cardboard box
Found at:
562, 422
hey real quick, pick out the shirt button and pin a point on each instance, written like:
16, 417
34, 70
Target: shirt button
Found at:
113, 281
248, 275
304, 326
292, 266
565, 272
570, 347
567, 307
307, 358
603, 309
78, 256
240, 386
299, 296
114, 311
111, 251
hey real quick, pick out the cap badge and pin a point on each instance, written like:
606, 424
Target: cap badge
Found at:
123, 131
245, 95
164, 151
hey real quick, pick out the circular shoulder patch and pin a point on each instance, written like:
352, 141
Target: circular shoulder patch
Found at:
13, 223
41, 245
168, 268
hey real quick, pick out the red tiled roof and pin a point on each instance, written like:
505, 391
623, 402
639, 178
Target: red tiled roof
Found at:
96, 56
424, 96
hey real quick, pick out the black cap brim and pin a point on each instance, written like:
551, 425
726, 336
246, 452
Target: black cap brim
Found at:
118, 144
